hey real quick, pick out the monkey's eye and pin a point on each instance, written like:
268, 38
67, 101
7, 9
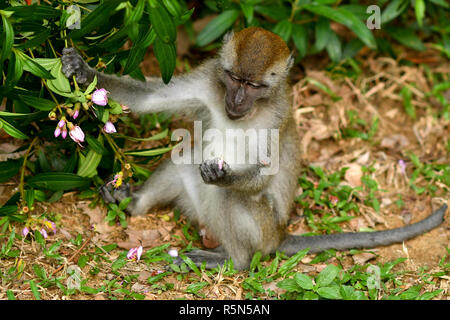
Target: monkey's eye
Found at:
233, 77
255, 85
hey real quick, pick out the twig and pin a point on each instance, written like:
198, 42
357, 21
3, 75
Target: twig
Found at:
74, 255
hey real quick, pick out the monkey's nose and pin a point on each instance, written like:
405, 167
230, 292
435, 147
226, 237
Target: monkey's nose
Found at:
240, 96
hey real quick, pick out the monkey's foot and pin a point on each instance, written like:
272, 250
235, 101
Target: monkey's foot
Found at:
212, 259
114, 195
74, 65
214, 171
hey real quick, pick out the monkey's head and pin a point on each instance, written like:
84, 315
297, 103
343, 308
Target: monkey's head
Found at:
254, 62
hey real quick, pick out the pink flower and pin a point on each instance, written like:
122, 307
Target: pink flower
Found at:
64, 133
109, 127
44, 233
76, 114
173, 253
125, 108
61, 123
77, 134
25, 231
50, 225
57, 132
135, 253
402, 166
100, 97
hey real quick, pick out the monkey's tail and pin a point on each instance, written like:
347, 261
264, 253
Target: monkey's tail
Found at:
354, 240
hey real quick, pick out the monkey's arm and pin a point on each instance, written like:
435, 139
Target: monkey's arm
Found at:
242, 177
180, 95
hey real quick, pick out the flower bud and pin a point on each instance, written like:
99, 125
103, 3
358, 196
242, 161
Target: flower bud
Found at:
76, 133
57, 132
100, 97
52, 115
109, 127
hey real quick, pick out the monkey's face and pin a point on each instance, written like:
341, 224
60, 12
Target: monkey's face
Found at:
241, 94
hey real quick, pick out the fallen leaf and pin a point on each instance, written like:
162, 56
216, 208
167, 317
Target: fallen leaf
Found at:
363, 257
353, 175
395, 141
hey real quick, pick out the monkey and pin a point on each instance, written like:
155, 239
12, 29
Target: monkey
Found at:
245, 86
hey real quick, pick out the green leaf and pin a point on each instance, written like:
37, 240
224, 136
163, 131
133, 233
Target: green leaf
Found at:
124, 203
11, 130
393, 10
327, 275
329, 292
9, 169
96, 144
255, 260
135, 57
406, 37
248, 10
407, 102
149, 152
442, 3
163, 24
216, 27
10, 295
323, 32
191, 265
91, 86
157, 136
292, 262
57, 181
303, 281
96, 18
283, 29
34, 12
35, 68
334, 47
173, 7
34, 290
346, 18
289, 285
300, 38
88, 165
60, 84
166, 55
419, 9
29, 197
38, 103
7, 39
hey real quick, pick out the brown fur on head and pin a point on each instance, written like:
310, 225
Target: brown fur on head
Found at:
256, 54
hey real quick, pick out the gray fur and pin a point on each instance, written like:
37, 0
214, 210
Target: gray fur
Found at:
244, 210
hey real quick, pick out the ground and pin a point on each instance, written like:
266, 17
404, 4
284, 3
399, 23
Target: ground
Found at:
346, 118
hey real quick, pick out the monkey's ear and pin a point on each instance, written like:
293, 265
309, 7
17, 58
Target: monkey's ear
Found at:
227, 37
290, 61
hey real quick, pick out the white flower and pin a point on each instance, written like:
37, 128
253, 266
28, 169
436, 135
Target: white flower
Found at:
76, 134
100, 97
109, 127
173, 253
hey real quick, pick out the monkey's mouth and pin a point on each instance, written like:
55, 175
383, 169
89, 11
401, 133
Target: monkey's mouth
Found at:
234, 114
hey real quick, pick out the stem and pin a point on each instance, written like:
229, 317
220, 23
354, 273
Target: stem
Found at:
117, 152
22, 173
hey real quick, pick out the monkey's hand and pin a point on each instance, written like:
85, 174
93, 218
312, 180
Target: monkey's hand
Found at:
114, 195
214, 171
74, 65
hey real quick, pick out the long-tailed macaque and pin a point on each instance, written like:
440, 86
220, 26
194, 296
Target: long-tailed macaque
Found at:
247, 210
